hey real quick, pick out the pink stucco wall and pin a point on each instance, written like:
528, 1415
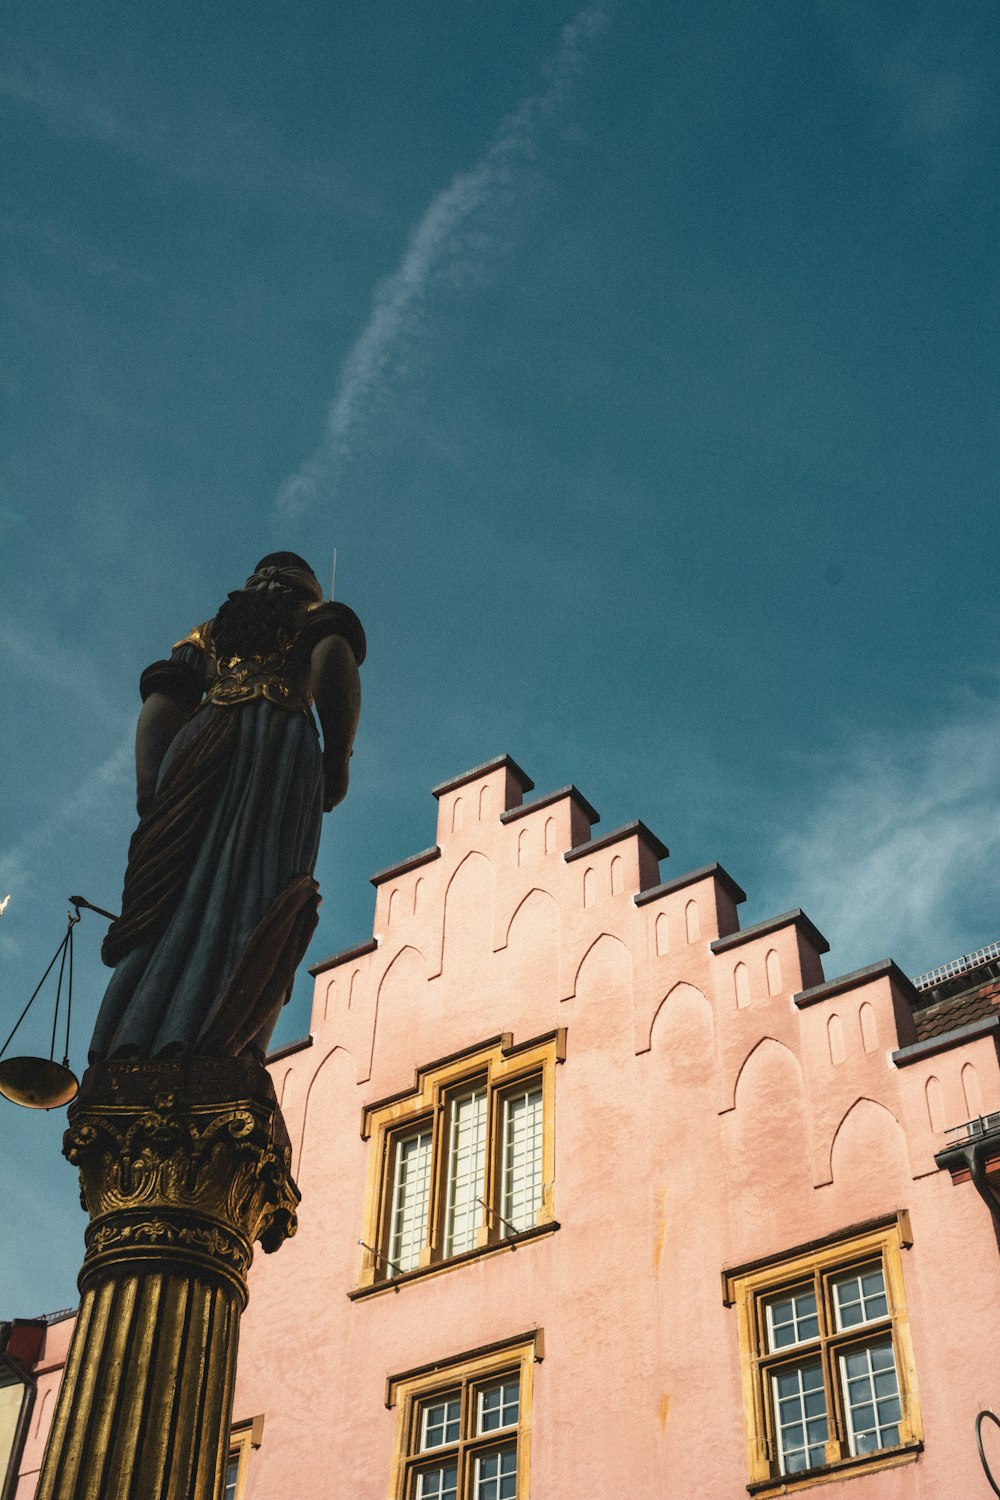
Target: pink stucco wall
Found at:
701, 1122
703, 1119
47, 1373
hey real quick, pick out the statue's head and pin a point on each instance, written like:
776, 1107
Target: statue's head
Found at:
285, 570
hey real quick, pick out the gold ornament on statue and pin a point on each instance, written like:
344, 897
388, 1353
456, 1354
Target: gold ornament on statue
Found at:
41, 1082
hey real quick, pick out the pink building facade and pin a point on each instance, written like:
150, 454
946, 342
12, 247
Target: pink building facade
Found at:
603, 1196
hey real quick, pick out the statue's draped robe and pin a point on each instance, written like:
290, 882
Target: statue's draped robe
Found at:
219, 901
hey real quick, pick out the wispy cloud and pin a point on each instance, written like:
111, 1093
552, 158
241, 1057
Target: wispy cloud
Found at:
450, 234
898, 855
205, 141
45, 660
98, 793
929, 72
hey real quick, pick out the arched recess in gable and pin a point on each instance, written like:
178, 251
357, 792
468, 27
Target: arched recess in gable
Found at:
333, 1083
682, 1036
692, 921
603, 996
405, 975
835, 1039
536, 920
768, 1135
934, 1094
408, 1022
606, 966
469, 909
868, 1152
971, 1091
769, 1062
41, 1423
530, 965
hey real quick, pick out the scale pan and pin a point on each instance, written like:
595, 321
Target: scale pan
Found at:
36, 1082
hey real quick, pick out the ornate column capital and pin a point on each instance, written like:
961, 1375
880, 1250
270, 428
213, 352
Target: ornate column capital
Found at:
183, 1163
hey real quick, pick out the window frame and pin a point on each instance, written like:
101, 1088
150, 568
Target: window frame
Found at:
754, 1288
504, 1070
243, 1438
466, 1376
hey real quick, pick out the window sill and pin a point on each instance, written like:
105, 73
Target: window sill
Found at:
847, 1468
421, 1273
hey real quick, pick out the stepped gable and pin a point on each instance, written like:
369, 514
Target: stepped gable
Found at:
960, 994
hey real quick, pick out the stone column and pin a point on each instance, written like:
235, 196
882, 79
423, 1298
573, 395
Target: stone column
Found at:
183, 1165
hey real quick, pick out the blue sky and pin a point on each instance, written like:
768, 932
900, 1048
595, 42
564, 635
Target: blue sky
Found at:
640, 363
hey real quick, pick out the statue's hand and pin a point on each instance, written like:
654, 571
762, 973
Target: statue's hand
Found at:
145, 791
335, 780
336, 690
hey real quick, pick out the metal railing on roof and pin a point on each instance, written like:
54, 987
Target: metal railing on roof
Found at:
972, 1129
961, 965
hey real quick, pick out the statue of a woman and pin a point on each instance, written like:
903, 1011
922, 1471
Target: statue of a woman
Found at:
219, 901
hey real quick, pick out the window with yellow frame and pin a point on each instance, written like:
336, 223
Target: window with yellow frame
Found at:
827, 1363
464, 1424
244, 1437
464, 1161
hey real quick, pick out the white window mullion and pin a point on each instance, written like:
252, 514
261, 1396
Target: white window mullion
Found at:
466, 1169
521, 1183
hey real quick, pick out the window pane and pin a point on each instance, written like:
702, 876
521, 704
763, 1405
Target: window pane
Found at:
498, 1405
410, 1197
438, 1484
521, 1191
800, 1417
232, 1476
466, 1163
860, 1298
871, 1397
440, 1422
792, 1320
496, 1476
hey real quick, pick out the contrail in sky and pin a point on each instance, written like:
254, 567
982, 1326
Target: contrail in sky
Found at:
397, 301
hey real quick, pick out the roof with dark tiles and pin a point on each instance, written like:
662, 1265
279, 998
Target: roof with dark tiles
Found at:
977, 1004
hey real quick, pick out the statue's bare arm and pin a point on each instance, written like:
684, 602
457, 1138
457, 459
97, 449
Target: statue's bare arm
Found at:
336, 690
159, 720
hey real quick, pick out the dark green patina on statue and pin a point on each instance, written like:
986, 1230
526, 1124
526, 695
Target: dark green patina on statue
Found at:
219, 901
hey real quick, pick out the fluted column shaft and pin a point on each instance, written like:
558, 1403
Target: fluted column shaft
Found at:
183, 1166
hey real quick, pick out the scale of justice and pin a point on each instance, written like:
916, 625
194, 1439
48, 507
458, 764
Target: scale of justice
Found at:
41, 1082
